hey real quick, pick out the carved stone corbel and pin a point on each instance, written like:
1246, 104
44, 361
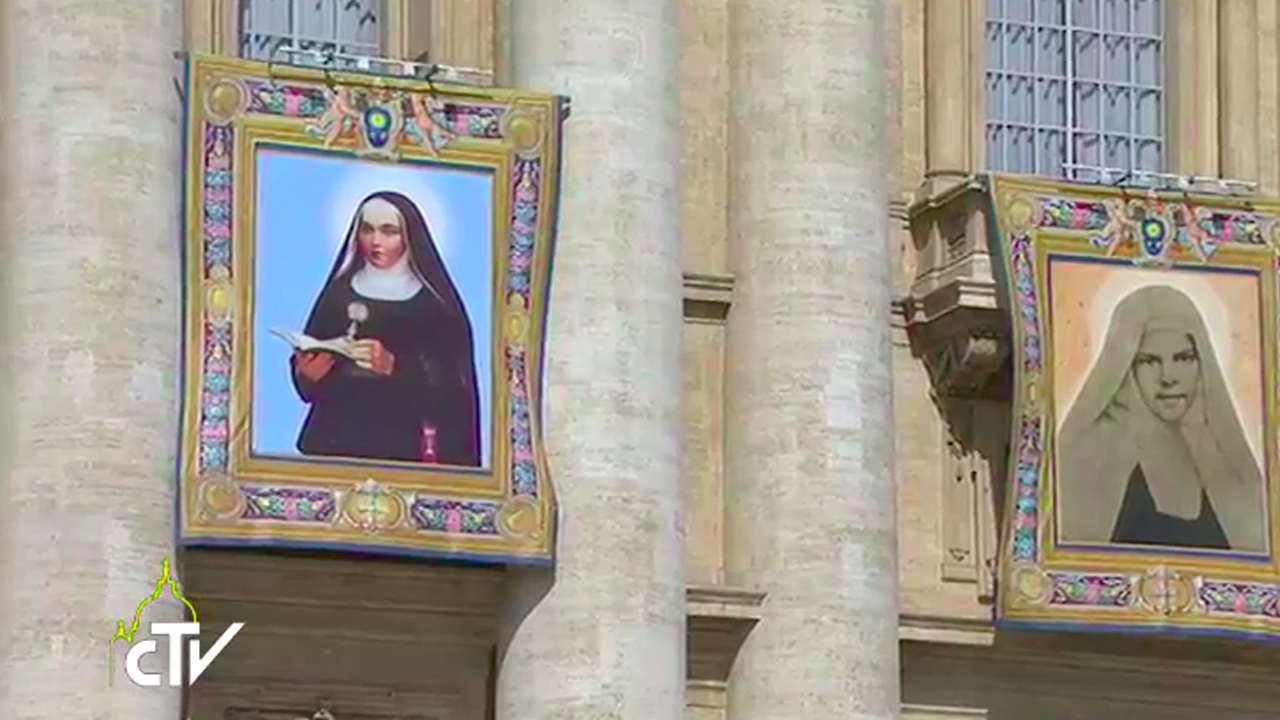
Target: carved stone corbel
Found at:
719, 620
965, 362
954, 313
959, 327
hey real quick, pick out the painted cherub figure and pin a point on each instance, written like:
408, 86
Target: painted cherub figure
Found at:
427, 132
339, 118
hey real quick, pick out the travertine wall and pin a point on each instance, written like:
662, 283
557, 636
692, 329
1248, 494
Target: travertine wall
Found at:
89, 308
1224, 117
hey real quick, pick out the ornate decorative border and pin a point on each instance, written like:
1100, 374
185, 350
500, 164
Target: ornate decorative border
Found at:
230, 498
1073, 588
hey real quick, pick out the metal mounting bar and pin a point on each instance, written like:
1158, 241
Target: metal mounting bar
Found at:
1120, 177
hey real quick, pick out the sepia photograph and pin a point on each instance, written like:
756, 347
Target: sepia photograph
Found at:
1159, 394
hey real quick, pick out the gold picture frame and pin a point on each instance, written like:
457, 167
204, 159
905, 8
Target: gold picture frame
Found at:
1141, 493
239, 489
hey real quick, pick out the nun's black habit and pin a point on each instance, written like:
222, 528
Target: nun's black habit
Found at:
431, 390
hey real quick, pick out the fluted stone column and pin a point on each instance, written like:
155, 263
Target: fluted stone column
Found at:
1192, 87
1268, 44
809, 482
88, 345
603, 636
949, 66
1239, 88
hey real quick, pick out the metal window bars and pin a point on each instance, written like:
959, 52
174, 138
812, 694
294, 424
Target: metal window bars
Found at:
338, 35
1074, 86
330, 27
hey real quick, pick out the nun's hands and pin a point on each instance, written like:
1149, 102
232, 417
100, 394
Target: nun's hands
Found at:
313, 365
372, 356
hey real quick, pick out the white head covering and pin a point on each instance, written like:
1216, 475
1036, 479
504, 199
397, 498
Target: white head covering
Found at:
1110, 430
396, 283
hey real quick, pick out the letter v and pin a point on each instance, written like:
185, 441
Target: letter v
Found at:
200, 664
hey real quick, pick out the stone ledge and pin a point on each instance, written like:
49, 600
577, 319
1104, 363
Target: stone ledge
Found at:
911, 711
719, 620
709, 694
216, 700
900, 209
1039, 668
945, 630
707, 297
727, 602
270, 580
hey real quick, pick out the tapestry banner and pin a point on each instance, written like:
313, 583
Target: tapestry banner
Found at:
366, 273
1141, 496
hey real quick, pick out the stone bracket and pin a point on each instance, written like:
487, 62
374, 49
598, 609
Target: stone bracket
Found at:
954, 312
946, 630
719, 620
707, 297
964, 352
958, 326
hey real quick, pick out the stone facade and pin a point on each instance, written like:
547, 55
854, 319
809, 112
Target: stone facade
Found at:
766, 153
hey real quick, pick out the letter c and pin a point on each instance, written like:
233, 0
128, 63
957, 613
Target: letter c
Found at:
134, 670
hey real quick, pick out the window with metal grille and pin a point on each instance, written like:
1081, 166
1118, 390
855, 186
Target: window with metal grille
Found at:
1075, 88
271, 28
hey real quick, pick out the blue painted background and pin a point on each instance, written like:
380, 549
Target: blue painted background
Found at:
305, 204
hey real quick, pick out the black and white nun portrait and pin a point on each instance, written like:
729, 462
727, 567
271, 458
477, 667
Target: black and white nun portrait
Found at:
1153, 451
408, 392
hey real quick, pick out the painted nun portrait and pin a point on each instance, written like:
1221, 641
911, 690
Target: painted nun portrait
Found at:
1153, 452
405, 387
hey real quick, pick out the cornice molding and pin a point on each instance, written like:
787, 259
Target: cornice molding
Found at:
719, 620
707, 297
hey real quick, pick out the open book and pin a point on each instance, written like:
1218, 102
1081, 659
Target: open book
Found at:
306, 343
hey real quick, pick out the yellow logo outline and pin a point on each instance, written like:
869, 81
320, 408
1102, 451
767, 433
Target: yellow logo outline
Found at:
166, 578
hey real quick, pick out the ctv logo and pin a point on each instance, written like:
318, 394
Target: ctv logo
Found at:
180, 634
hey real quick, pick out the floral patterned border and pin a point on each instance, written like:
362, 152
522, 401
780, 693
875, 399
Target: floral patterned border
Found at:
383, 122
1152, 230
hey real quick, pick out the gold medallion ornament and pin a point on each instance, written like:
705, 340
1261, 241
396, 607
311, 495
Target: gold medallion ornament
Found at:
220, 499
1031, 585
1033, 394
1021, 213
1166, 591
218, 298
519, 517
225, 100
372, 507
522, 128
518, 321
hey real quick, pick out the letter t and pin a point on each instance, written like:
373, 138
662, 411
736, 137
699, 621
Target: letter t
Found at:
175, 632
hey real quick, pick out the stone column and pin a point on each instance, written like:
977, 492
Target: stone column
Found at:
949, 131
1239, 88
1268, 40
89, 344
603, 636
1193, 138
810, 434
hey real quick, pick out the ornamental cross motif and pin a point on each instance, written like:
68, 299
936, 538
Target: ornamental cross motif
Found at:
369, 509
1163, 593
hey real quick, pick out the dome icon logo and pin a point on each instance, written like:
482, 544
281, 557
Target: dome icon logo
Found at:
177, 633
